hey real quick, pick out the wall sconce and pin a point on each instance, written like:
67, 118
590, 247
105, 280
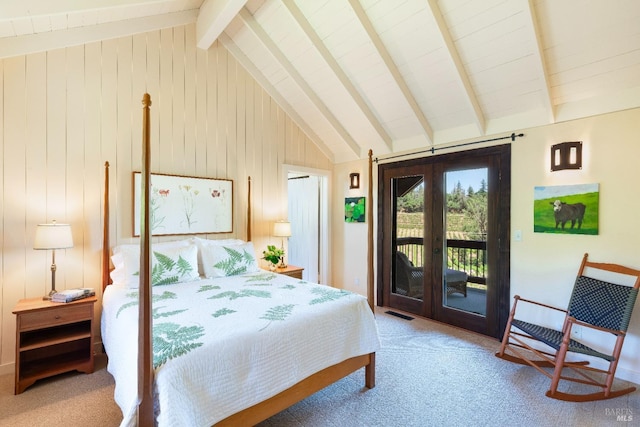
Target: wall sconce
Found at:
566, 155
354, 180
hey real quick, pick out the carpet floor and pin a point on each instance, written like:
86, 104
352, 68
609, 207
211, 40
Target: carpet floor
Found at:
427, 374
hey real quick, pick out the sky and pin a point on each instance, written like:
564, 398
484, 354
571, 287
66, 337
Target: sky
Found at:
468, 178
563, 190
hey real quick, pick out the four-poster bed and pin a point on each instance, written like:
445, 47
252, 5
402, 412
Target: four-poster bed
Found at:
352, 344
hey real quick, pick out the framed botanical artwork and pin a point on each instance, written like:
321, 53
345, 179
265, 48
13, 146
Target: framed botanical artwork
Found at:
185, 205
354, 209
566, 209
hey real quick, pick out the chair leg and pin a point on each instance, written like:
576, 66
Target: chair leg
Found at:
507, 329
560, 356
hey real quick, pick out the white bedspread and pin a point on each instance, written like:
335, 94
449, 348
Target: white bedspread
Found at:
225, 344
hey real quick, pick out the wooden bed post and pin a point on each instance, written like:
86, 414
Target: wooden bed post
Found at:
370, 293
105, 230
249, 209
145, 333
370, 369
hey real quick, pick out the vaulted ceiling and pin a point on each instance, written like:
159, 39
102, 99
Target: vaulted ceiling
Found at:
391, 75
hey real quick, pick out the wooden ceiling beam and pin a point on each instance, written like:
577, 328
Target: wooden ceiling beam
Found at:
461, 73
275, 51
541, 66
391, 66
337, 70
237, 53
213, 18
40, 42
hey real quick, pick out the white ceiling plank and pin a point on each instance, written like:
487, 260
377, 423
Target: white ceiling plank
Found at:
213, 18
461, 73
337, 70
6, 29
426, 78
602, 104
32, 43
229, 44
393, 69
275, 51
12, 9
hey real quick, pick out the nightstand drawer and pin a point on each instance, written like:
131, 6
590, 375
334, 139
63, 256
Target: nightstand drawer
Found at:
57, 316
291, 271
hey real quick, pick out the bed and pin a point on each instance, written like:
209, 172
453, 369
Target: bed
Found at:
222, 346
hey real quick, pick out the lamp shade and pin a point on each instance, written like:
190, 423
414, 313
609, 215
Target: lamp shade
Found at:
282, 229
53, 236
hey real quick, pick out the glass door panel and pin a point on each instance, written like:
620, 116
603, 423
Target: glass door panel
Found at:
409, 220
464, 278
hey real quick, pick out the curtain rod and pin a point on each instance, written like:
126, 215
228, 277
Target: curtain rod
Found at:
432, 150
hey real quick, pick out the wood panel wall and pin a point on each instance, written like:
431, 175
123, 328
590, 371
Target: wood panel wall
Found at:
64, 112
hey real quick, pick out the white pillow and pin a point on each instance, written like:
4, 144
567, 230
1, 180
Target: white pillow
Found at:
118, 274
203, 244
229, 260
174, 265
171, 263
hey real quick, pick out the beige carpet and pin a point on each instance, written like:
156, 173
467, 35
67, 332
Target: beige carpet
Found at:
71, 399
428, 374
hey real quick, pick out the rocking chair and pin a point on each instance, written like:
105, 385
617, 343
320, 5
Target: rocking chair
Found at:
594, 304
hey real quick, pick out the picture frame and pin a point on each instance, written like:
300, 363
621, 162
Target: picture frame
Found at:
566, 209
185, 205
354, 209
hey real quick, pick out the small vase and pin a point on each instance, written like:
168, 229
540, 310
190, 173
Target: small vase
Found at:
272, 267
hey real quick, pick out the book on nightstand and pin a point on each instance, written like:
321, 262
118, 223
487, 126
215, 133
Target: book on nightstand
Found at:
69, 295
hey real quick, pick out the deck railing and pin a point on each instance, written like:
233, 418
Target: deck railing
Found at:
469, 256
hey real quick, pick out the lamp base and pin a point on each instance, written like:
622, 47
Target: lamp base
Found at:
49, 295
282, 264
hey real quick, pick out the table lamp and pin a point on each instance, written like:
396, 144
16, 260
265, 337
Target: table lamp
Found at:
282, 229
53, 236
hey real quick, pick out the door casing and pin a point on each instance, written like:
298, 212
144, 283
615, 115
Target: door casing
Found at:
498, 159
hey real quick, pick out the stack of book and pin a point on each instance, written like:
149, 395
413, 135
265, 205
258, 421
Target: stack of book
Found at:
72, 294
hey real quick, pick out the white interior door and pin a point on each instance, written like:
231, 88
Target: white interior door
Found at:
304, 215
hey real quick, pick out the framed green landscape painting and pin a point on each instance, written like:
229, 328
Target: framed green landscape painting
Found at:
566, 209
354, 209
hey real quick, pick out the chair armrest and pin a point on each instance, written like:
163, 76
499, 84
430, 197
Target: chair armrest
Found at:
597, 328
518, 298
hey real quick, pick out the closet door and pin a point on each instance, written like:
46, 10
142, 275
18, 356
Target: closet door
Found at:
304, 215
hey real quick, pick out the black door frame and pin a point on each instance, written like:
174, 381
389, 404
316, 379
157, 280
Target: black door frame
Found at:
499, 248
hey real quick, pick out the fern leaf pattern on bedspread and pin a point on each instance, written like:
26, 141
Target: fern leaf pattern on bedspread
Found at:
231, 340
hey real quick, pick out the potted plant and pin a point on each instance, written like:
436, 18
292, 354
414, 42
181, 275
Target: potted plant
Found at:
272, 255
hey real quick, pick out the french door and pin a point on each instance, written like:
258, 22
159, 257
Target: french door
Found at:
444, 234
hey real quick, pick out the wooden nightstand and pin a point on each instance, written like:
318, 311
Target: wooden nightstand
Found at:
291, 271
52, 338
